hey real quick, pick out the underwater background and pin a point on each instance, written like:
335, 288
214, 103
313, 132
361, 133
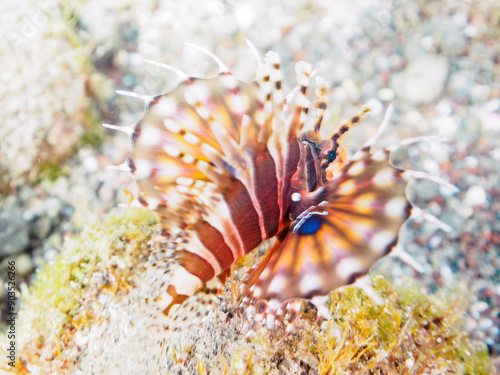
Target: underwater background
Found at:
77, 253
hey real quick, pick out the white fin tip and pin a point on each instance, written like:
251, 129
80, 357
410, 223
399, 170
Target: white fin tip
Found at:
182, 76
320, 303
222, 67
418, 212
255, 52
363, 283
122, 167
382, 127
409, 141
430, 177
291, 95
146, 98
406, 258
126, 129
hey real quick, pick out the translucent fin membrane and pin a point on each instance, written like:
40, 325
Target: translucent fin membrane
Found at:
228, 166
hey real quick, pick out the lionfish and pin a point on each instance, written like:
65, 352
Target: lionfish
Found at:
229, 165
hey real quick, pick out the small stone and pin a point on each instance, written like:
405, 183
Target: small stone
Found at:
476, 196
413, 50
470, 324
91, 164
375, 106
14, 237
494, 331
453, 42
24, 265
477, 308
409, 363
427, 42
385, 94
67, 210
491, 122
52, 207
485, 324
471, 31
471, 162
60, 187
459, 19
41, 227
444, 108
495, 154
26, 193
107, 193
423, 79
245, 16
460, 83
487, 270
434, 242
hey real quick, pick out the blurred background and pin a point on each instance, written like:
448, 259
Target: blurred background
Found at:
437, 62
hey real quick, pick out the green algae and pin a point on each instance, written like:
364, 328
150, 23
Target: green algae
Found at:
410, 333
51, 171
61, 300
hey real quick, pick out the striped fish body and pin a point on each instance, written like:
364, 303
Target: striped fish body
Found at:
256, 215
239, 203
229, 165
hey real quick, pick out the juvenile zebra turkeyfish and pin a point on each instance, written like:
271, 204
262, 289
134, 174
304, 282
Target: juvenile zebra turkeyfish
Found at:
228, 165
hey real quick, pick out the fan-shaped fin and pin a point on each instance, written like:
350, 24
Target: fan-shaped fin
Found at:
192, 311
195, 133
332, 244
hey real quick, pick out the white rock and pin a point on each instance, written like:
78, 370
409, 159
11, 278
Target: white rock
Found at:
410, 362
385, 94
485, 323
476, 196
423, 79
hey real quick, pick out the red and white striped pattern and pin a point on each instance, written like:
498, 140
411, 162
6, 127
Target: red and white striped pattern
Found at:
228, 166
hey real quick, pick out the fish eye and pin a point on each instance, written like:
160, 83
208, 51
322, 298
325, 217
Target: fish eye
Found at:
331, 156
311, 225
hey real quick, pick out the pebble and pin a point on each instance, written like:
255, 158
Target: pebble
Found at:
24, 265
413, 49
409, 363
485, 324
14, 234
91, 164
490, 122
52, 207
476, 196
471, 323
446, 272
471, 31
385, 94
471, 162
375, 105
26, 193
423, 79
460, 83
41, 227
477, 308
453, 42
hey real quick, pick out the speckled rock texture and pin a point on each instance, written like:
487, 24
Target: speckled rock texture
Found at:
46, 88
